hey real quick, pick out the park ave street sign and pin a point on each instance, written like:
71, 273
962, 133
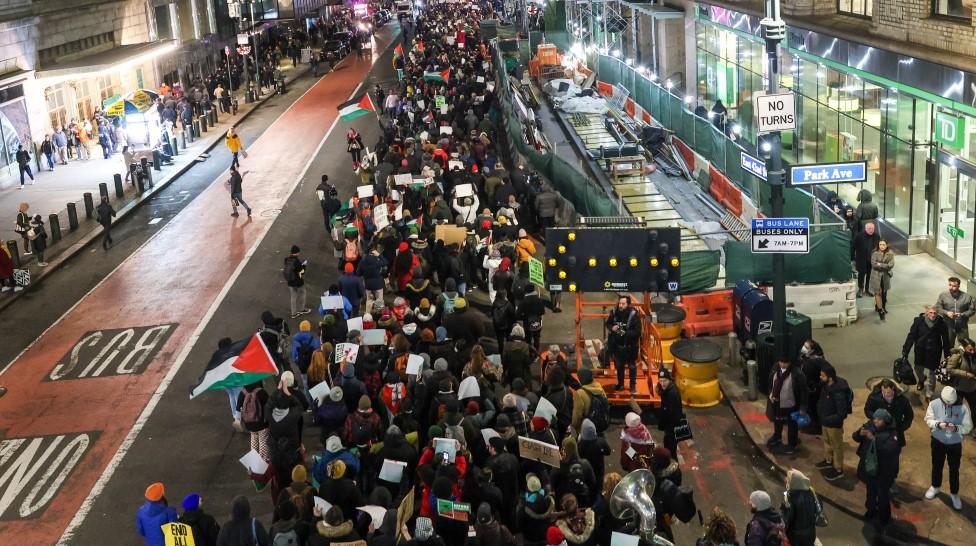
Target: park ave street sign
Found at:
780, 235
775, 112
828, 173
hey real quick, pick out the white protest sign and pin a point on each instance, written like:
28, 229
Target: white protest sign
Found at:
254, 464
446, 130
452, 164
623, 539
375, 512
414, 364
444, 110
469, 388
463, 190
332, 302
489, 433
320, 391
355, 323
449, 446
480, 79
392, 471
322, 505
376, 336
364, 191
403, 179
545, 409
775, 112
535, 450
346, 352
381, 216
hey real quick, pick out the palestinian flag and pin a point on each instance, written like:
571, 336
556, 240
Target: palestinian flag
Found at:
458, 511
238, 365
398, 51
435, 76
420, 45
355, 108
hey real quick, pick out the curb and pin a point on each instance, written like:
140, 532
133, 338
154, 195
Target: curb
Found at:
125, 211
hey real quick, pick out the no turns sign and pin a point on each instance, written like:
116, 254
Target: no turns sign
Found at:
775, 112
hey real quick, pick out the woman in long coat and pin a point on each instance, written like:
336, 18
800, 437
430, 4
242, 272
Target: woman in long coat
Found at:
882, 262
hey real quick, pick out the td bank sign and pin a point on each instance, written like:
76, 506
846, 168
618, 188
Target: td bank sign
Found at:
950, 130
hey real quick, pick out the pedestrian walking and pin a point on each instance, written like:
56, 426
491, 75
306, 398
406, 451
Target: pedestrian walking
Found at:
61, 144
833, 407
354, 145
127, 160
22, 226
787, 395
865, 243
105, 213
233, 143
879, 450
242, 527
23, 162
766, 524
38, 238
867, 210
47, 148
929, 336
623, 339
961, 368
294, 273
950, 421
153, 514
670, 413
800, 509
957, 307
203, 526
882, 263
236, 184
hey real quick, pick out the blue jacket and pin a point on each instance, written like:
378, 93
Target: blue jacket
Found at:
303, 338
352, 288
346, 456
371, 269
346, 306
149, 521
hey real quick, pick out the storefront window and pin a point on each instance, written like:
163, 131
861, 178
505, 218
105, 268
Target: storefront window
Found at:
898, 183
809, 133
960, 9
829, 140
863, 8
56, 111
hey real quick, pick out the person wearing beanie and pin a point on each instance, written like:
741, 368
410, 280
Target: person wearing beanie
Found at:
577, 522
503, 318
334, 451
352, 287
555, 537
490, 532
671, 412
444, 348
636, 444
525, 248
294, 272
336, 527
332, 329
800, 509
950, 422
203, 526
303, 347
590, 401
352, 387
299, 494
331, 414
242, 528
559, 395
372, 270
153, 514
766, 520
880, 434
363, 427
593, 447
574, 475
424, 314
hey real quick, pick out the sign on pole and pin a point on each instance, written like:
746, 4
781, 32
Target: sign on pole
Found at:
242, 39
234, 10
828, 173
753, 165
780, 235
775, 112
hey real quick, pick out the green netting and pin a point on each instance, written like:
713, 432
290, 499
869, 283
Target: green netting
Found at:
702, 143
733, 168
555, 21
829, 260
699, 270
718, 148
685, 128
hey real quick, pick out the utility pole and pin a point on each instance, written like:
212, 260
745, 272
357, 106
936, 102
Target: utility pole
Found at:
774, 31
257, 53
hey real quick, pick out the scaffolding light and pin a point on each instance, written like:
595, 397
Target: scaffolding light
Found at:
689, 99
766, 147
736, 129
616, 53
630, 62
711, 114
653, 77
669, 84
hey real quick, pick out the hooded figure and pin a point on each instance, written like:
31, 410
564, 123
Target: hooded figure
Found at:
153, 514
242, 528
800, 508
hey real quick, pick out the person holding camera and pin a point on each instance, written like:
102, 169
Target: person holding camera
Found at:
956, 306
622, 341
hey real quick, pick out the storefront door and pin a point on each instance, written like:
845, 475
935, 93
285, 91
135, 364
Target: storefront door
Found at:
954, 229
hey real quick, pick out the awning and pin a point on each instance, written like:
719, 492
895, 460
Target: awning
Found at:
656, 12
112, 60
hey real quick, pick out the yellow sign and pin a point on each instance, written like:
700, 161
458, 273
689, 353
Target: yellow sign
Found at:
141, 99
178, 534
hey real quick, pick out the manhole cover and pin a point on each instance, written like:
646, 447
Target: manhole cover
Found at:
270, 212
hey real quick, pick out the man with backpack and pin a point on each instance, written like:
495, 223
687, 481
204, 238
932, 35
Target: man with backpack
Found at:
294, 272
834, 405
766, 527
303, 346
204, 527
590, 402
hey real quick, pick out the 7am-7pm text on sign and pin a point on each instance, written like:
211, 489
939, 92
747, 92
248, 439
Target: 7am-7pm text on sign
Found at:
780, 235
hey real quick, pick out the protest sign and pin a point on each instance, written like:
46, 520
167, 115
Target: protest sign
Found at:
450, 234
459, 511
178, 534
535, 450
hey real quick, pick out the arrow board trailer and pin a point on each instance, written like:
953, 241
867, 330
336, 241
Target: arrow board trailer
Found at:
780, 235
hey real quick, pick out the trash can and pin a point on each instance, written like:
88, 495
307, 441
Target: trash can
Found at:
799, 328
696, 371
766, 359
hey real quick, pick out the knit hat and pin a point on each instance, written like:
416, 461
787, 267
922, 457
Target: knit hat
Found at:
471, 408
403, 247
883, 414
155, 492
632, 419
423, 529
509, 401
661, 456
441, 333
760, 500
299, 474
399, 301
328, 320
585, 376
588, 430
949, 395
305, 326
484, 513
554, 536
435, 431
424, 303
364, 403
295, 249
518, 331
440, 365
498, 443
348, 370
539, 423
348, 268
522, 233
532, 483
333, 444
664, 373
191, 502
460, 303
288, 378
335, 394
427, 335
337, 469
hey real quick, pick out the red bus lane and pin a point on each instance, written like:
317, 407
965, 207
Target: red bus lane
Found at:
79, 394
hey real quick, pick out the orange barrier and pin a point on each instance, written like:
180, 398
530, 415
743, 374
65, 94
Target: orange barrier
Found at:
548, 54
686, 152
534, 66
646, 117
724, 191
630, 108
708, 314
604, 88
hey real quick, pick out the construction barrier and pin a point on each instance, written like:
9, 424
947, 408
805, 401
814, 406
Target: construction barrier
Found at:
708, 314
827, 304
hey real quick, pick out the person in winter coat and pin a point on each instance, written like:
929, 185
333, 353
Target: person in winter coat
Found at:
334, 451
787, 395
594, 448
299, 494
929, 336
867, 210
576, 523
888, 396
537, 510
667, 476
423, 534
242, 529
583, 397
503, 278
39, 242
392, 394
352, 287
832, 407
546, 204
800, 509
331, 414
880, 474
637, 439
503, 317
517, 355
154, 513
105, 213
291, 529
403, 266
372, 269
336, 527
623, 339
467, 208
525, 248
491, 262
352, 388
765, 521
574, 475
950, 421
670, 413
386, 531
956, 307
865, 243
488, 531
962, 371
719, 530
560, 396
363, 427
204, 527
465, 324
882, 263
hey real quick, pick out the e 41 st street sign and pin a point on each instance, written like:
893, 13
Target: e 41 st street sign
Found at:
955, 232
780, 235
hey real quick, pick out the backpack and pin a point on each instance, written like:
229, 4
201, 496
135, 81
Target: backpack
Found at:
351, 251
305, 352
849, 395
361, 433
775, 533
456, 432
499, 315
298, 499
288, 538
599, 411
284, 454
252, 412
449, 302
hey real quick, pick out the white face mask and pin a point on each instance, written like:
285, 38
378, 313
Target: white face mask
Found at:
805, 350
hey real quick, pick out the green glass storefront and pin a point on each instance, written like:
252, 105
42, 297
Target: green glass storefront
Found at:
920, 151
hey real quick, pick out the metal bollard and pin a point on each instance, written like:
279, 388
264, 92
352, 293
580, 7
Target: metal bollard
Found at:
212, 117
72, 217
54, 224
233, 106
196, 128
173, 143
102, 191
733, 349
14, 252
203, 123
182, 140
752, 373
89, 205
119, 190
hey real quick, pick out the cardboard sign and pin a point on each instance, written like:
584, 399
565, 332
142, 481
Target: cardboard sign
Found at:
376, 336
414, 364
364, 191
404, 512
463, 190
535, 450
459, 511
403, 179
450, 234
178, 534
346, 352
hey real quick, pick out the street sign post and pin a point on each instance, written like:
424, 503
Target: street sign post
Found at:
775, 112
753, 165
828, 173
780, 235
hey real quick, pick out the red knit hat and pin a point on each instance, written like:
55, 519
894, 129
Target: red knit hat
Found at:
348, 268
539, 423
554, 536
403, 247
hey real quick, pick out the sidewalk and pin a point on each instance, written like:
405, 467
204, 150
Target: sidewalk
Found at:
68, 183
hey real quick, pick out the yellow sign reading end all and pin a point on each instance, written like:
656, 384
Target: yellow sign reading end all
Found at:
178, 534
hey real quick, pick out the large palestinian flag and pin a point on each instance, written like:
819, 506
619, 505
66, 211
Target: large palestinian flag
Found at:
441, 76
238, 365
398, 51
355, 108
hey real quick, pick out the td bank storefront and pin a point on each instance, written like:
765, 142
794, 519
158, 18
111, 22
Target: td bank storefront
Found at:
913, 122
